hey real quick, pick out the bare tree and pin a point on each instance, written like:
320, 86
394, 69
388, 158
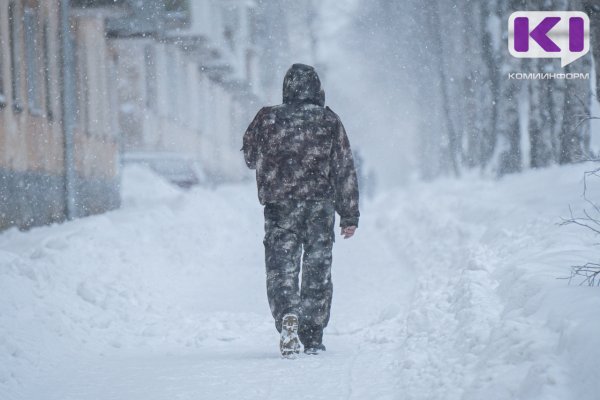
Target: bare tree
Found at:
542, 118
575, 135
480, 89
508, 150
588, 273
593, 10
546, 102
451, 142
492, 53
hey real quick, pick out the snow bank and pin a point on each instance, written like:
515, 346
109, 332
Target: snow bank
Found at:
489, 318
122, 280
140, 186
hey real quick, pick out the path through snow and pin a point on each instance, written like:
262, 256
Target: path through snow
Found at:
448, 291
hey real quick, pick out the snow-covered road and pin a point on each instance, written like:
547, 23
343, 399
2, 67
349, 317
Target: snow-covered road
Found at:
448, 291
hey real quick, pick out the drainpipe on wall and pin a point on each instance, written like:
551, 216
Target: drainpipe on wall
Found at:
68, 107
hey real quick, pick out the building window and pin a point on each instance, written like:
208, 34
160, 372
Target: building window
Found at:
47, 77
32, 60
150, 57
14, 28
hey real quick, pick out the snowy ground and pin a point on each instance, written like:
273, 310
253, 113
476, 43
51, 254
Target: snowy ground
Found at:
448, 291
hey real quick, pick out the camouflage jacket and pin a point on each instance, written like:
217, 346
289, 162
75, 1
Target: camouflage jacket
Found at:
300, 149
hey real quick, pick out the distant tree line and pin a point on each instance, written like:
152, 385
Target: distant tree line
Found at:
472, 115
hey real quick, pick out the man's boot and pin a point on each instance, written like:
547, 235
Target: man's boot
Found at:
289, 344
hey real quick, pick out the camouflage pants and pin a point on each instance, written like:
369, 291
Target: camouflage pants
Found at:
295, 231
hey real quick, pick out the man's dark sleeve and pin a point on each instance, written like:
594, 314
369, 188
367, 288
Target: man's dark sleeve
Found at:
344, 178
250, 145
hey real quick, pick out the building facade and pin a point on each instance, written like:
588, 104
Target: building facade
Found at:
45, 178
83, 82
188, 83
95, 147
31, 147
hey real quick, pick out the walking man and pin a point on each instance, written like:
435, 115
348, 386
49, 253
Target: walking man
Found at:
305, 173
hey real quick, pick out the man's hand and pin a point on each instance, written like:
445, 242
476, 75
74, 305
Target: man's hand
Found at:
348, 232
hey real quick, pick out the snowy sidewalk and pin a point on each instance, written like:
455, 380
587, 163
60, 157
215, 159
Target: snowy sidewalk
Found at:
448, 291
